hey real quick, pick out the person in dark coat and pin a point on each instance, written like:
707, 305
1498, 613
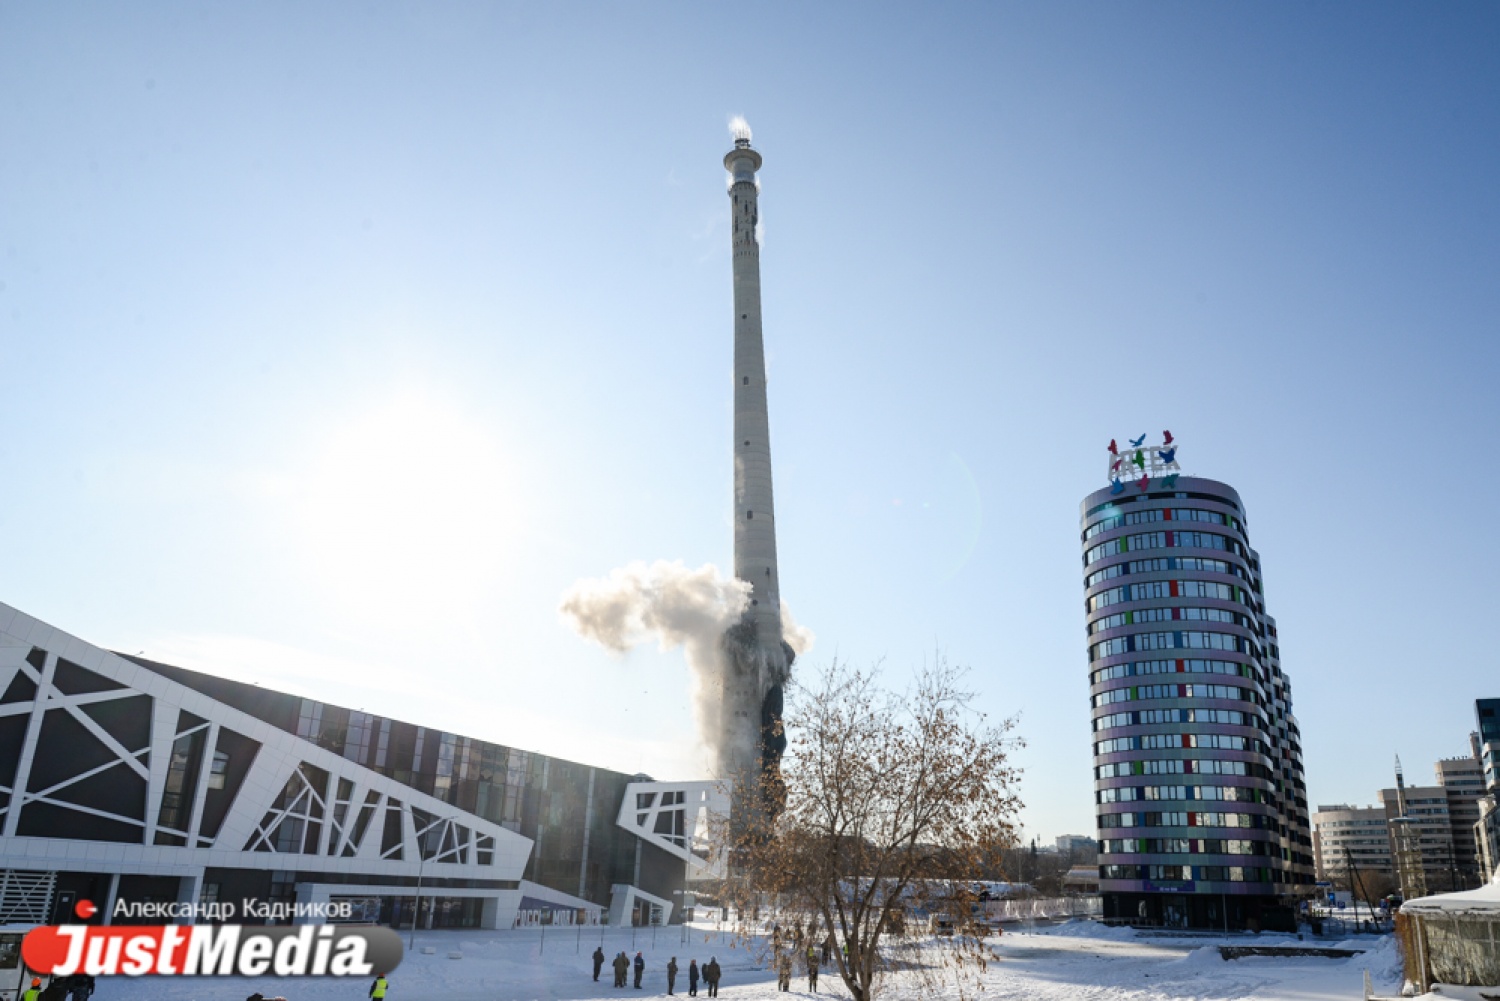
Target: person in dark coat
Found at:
711, 976
82, 986
598, 962
812, 969
640, 968
671, 974
692, 978
622, 966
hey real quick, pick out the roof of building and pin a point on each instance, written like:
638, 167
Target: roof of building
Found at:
1485, 901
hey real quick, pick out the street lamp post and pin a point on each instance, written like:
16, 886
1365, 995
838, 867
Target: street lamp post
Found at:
682, 913
411, 942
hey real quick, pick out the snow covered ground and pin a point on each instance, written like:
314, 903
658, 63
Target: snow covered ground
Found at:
1077, 961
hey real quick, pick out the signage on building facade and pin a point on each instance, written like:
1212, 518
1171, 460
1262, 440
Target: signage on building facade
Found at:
1139, 463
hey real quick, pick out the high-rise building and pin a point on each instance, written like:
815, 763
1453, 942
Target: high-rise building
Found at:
1487, 713
1486, 747
1432, 829
1487, 838
1462, 781
1201, 800
1353, 849
758, 660
1420, 839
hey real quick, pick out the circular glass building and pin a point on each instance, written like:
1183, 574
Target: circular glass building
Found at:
1199, 790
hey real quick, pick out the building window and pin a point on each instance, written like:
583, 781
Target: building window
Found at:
383, 747
218, 769
310, 720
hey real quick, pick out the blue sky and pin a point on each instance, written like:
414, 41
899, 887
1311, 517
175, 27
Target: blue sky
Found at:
340, 339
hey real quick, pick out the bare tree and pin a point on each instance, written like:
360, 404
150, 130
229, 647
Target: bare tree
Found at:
1374, 886
1051, 870
889, 808
1370, 885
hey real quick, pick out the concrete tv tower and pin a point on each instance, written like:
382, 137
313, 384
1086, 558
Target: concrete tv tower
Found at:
758, 661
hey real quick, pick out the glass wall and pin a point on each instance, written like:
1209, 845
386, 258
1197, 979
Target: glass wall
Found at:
567, 809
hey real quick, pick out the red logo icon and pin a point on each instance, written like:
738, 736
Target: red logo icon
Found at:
85, 909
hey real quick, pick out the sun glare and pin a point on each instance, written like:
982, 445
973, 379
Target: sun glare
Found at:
407, 507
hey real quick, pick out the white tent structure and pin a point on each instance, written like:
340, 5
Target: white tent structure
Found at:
1453, 938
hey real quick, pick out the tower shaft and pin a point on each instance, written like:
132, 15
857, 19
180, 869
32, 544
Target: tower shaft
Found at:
755, 518
758, 660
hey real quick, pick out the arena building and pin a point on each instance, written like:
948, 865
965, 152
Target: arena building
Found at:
122, 779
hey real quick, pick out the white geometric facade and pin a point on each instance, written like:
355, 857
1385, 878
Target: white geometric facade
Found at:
109, 767
680, 818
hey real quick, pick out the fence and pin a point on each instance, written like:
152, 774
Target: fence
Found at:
1453, 948
1042, 908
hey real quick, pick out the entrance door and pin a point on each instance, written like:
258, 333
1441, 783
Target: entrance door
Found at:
62, 907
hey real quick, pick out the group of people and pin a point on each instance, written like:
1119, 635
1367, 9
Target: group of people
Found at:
784, 959
622, 964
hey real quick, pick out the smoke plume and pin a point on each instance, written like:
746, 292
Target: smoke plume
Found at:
665, 601
739, 128
797, 636
677, 607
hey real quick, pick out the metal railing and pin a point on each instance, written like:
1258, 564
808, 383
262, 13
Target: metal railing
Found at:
1042, 908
